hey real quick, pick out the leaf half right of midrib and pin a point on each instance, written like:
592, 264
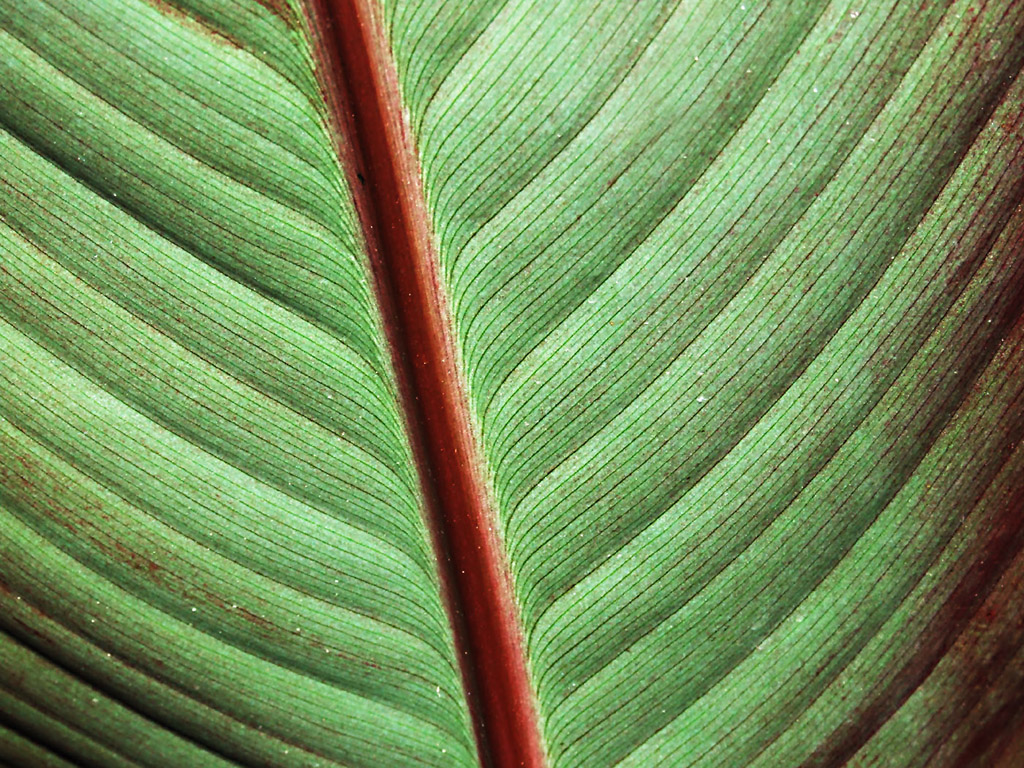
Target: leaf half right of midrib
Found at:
711, 358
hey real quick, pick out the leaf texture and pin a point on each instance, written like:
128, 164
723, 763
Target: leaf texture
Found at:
708, 291
736, 295
207, 476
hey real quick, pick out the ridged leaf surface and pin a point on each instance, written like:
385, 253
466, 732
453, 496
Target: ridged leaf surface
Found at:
736, 299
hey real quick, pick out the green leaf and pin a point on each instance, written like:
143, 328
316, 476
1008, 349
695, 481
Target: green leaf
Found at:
447, 383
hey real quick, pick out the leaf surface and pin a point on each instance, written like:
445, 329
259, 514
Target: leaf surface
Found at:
734, 300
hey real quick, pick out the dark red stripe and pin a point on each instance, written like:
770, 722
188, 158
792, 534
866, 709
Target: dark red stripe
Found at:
384, 173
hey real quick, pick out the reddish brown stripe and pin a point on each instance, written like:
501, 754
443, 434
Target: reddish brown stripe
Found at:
1006, 542
386, 177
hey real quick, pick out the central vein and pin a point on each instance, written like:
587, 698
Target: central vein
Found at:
385, 176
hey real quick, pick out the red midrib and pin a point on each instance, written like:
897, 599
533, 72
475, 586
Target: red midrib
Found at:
389, 197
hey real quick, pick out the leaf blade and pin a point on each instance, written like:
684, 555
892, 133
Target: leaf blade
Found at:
736, 308
194, 354
627, 385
